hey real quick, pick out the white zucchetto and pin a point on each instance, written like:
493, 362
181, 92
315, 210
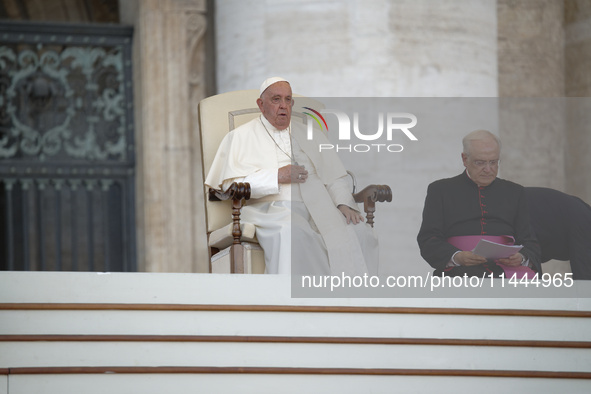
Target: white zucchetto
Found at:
270, 81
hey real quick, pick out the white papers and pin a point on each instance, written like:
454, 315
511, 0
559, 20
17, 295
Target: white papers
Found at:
492, 250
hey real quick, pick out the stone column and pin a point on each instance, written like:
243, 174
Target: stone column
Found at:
578, 85
169, 82
531, 70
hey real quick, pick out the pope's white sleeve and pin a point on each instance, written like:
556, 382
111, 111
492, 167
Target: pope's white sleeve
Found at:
262, 183
340, 192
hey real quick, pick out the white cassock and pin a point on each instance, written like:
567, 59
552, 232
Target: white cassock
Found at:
298, 225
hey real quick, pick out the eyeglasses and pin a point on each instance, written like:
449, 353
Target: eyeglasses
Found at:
484, 163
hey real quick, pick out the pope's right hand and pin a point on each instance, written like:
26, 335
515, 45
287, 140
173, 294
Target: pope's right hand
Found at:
292, 174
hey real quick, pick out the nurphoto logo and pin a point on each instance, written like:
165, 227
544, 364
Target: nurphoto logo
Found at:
396, 122
316, 119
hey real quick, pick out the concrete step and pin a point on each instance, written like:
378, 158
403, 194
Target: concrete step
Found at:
128, 333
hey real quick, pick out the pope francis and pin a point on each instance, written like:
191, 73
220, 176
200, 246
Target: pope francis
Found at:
305, 217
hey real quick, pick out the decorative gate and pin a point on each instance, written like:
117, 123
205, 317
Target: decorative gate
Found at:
66, 148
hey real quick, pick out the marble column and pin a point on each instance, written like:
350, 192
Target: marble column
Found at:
578, 87
169, 81
531, 87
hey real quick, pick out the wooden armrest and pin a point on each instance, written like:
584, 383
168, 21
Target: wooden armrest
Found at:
369, 196
237, 192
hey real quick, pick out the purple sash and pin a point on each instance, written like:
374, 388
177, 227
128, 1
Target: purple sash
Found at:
469, 242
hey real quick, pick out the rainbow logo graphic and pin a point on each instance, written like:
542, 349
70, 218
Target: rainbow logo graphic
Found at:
316, 119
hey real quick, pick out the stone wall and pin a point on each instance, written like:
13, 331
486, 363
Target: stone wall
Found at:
376, 48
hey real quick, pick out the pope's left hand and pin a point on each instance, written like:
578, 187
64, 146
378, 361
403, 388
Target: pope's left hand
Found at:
351, 215
512, 261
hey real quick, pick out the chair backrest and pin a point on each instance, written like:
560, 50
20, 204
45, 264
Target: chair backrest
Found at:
220, 114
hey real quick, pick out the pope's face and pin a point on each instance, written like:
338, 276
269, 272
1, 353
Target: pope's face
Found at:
482, 162
275, 104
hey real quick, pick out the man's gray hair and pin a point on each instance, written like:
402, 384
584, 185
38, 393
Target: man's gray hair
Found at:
479, 135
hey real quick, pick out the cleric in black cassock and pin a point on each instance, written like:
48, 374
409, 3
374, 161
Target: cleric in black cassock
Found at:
476, 203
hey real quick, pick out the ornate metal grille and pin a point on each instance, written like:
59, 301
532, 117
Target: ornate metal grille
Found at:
66, 148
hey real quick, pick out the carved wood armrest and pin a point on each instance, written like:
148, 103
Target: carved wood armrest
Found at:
238, 192
369, 196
